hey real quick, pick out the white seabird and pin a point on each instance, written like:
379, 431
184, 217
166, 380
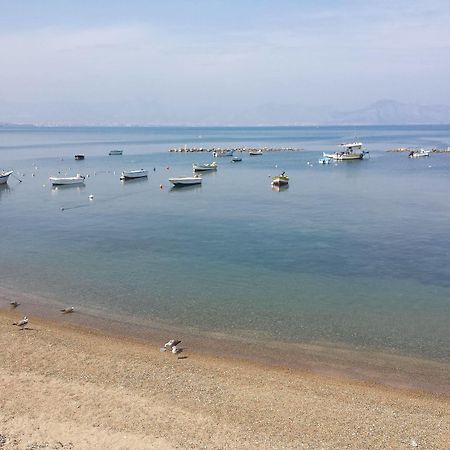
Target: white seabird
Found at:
171, 344
68, 310
176, 350
14, 304
22, 323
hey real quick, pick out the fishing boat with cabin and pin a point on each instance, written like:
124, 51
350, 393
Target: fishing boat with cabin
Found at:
349, 152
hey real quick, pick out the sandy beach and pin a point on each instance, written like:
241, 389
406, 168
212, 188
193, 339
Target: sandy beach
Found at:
66, 386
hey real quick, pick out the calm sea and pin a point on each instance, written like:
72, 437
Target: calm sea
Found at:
356, 253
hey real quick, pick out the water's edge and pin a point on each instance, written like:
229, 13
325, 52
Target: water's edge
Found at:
327, 359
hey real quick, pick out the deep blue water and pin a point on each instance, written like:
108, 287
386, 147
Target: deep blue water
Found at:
354, 253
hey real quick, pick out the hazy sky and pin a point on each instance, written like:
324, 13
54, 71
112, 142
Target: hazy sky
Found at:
107, 61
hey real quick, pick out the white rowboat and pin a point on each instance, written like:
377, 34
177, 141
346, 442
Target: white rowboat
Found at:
419, 154
220, 153
64, 181
132, 174
4, 176
185, 181
204, 167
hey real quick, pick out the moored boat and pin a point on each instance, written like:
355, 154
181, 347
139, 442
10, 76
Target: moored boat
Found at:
4, 176
132, 174
349, 152
186, 181
236, 159
115, 152
204, 167
419, 153
65, 181
280, 180
79, 157
255, 153
219, 153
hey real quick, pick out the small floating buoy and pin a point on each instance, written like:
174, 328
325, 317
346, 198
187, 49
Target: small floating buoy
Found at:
160, 186
91, 197
32, 174
154, 169
62, 209
167, 168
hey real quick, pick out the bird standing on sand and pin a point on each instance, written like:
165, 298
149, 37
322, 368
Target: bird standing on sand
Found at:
176, 350
67, 310
171, 344
14, 304
22, 323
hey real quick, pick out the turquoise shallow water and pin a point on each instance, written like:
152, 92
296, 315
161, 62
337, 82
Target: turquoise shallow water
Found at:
353, 253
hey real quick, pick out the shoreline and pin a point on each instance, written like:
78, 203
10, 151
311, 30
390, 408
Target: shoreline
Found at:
72, 387
322, 359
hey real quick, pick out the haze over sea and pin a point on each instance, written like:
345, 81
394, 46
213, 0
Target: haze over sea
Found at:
354, 253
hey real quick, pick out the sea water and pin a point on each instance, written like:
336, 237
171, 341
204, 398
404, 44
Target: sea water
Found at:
353, 253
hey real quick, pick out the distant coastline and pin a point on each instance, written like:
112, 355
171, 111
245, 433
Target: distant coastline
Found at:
381, 113
6, 125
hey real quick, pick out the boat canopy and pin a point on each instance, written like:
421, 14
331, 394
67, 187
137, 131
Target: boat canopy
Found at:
352, 145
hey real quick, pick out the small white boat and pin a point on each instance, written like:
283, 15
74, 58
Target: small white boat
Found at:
4, 176
236, 159
280, 180
419, 153
64, 181
220, 153
204, 167
255, 153
115, 152
186, 181
79, 157
350, 152
132, 174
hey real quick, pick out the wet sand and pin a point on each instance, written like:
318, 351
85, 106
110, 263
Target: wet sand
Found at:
68, 386
324, 358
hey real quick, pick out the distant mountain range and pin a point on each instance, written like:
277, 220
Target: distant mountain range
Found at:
386, 112
383, 112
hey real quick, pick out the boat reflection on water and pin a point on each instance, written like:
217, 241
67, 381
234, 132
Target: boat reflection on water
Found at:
131, 181
63, 187
4, 189
185, 187
283, 187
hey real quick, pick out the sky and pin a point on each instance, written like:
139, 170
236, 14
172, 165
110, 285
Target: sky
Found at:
217, 62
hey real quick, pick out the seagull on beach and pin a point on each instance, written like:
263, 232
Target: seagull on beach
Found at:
171, 344
22, 323
176, 350
68, 310
14, 304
